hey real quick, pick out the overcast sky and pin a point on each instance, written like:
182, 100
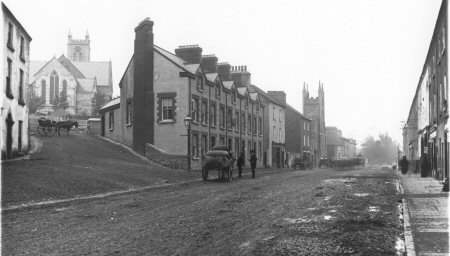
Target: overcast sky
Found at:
368, 53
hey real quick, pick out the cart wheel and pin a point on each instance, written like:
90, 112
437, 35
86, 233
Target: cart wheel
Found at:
50, 131
205, 174
41, 130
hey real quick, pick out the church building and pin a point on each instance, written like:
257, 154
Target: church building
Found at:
71, 81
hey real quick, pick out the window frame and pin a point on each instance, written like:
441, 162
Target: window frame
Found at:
22, 49
129, 113
204, 112
21, 89
213, 114
8, 89
10, 43
111, 120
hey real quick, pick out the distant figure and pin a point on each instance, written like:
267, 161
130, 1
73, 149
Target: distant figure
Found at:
404, 165
240, 163
253, 162
424, 165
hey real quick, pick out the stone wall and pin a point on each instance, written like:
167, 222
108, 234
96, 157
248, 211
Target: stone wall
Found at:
163, 158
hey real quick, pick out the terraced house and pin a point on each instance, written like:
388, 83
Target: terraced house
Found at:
159, 90
14, 102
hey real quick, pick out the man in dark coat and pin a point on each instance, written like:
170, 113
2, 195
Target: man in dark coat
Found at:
424, 166
404, 165
240, 163
253, 162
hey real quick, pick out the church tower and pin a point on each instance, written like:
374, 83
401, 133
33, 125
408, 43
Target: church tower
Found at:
314, 108
79, 50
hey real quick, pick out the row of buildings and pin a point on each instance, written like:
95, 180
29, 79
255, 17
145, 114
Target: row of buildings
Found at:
163, 93
425, 132
14, 99
338, 146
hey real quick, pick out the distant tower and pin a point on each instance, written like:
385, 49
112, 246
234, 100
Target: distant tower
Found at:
314, 108
79, 50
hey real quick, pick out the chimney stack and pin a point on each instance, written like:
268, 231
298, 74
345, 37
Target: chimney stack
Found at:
143, 95
241, 76
279, 96
224, 70
191, 54
209, 63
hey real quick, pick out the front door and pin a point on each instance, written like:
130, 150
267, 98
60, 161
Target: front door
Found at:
102, 132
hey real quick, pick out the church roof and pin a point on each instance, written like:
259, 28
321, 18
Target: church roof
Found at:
99, 69
87, 85
69, 65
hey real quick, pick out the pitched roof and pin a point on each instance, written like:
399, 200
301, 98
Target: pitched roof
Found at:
212, 77
228, 85
253, 96
191, 68
298, 113
35, 66
99, 69
242, 91
86, 85
262, 93
69, 65
111, 104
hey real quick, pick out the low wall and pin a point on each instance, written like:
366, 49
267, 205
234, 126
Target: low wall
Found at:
165, 159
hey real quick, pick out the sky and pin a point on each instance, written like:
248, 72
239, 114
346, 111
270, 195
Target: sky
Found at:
368, 54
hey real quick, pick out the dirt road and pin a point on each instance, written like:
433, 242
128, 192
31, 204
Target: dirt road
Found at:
315, 212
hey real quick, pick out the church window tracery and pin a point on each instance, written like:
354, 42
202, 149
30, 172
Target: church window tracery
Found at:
54, 87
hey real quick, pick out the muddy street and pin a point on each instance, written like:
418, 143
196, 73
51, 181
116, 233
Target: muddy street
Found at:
315, 212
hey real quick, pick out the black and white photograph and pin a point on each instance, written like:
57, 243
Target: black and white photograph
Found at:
256, 127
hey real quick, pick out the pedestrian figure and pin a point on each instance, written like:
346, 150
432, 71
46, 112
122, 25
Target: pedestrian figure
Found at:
424, 165
240, 163
404, 165
253, 162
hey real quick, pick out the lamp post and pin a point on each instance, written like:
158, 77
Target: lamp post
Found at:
187, 123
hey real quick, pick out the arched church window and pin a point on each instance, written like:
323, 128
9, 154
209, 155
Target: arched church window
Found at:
43, 90
54, 87
80, 56
64, 89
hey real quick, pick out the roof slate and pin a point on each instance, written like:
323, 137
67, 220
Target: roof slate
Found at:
99, 69
111, 103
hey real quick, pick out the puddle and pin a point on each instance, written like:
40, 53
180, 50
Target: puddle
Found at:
61, 209
328, 217
291, 220
246, 244
374, 208
361, 194
268, 238
332, 211
311, 209
400, 247
344, 180
326, 198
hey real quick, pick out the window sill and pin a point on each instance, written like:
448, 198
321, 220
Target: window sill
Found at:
166, 122
196, 158
21, 102
217, 97
9, 95
222, 128
195, 122
111, 129
22, 59
200, 90
234, 103
204, 124
10, 47
213, 126
129, 124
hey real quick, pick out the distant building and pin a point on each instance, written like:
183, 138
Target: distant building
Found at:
14, 102
426, 127
298, 136
75, 78
314, 109
335, 143
160, 89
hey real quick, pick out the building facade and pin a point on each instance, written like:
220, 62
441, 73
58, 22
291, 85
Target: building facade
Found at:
335, 142
298, 136
71, 82
160, 89
14, 99
314, 109
426, 130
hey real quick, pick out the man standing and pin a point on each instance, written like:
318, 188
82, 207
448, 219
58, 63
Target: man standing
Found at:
240, 163
404, 165
253, 162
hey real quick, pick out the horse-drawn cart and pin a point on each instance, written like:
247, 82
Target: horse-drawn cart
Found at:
46, 127
220, 159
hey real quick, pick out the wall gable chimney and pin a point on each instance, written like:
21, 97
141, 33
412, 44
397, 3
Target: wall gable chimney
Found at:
209, 63
224, 70
240, 76
191, 54
143, 95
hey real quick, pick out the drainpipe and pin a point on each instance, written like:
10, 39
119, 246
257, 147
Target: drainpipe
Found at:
226, 119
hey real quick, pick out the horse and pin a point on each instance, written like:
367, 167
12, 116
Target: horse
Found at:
66, 125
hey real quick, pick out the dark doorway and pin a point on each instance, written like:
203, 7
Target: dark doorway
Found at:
102, 132
9, 138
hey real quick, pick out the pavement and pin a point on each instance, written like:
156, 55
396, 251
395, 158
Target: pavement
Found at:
425, 210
